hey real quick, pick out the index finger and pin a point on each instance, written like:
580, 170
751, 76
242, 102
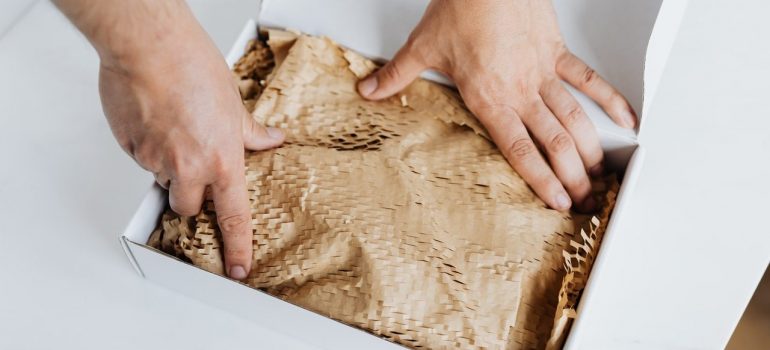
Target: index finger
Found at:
231, 204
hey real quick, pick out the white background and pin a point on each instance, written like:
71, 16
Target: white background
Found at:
696, 236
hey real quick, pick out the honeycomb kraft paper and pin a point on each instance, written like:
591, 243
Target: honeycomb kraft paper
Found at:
399, 217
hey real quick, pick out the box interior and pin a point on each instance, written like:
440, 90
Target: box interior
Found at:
241, 299
623, 153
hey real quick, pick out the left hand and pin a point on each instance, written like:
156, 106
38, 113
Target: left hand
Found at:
508, 60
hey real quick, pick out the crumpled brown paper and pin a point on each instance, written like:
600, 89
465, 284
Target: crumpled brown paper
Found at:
399, 217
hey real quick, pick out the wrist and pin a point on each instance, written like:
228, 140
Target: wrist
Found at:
128, 33
155, 44
162, 45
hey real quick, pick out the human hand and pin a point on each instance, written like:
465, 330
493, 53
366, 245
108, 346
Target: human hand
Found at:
508, 60
174, 106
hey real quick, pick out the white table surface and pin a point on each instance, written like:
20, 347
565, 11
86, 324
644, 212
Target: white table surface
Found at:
696, 240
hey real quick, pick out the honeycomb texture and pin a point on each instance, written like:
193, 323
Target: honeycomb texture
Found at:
399, 217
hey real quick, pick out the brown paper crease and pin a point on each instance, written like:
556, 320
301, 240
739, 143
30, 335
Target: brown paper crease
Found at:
399, 217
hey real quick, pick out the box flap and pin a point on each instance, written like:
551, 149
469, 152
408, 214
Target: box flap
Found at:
610, 35
661, 41
145, 220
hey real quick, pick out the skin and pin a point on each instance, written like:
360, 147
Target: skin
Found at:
173, 106
508, 60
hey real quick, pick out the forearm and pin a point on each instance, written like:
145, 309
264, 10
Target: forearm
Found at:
126, 31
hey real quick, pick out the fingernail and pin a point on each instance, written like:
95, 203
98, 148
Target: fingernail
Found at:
367, 86
562, 201
237, 272
597, 170
589, 204
629, 116
274, 133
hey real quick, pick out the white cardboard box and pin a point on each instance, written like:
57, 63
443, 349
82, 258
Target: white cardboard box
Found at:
627, 41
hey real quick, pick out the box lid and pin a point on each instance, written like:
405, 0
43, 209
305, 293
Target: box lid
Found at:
626, 41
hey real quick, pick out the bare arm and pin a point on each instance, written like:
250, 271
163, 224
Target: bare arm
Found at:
173, 106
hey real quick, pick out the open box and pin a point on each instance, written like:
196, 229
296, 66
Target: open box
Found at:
626, 41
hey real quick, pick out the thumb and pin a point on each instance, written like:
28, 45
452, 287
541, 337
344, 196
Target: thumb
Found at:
393, 77
257, 137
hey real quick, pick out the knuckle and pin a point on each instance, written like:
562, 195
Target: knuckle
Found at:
492, 93
222, 167
521, 148
235, 225
573, 116
484, 108
175, 159
523, 89
588, 77
484, 103
560, 143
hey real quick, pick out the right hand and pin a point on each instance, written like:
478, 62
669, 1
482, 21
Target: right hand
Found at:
173, 105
